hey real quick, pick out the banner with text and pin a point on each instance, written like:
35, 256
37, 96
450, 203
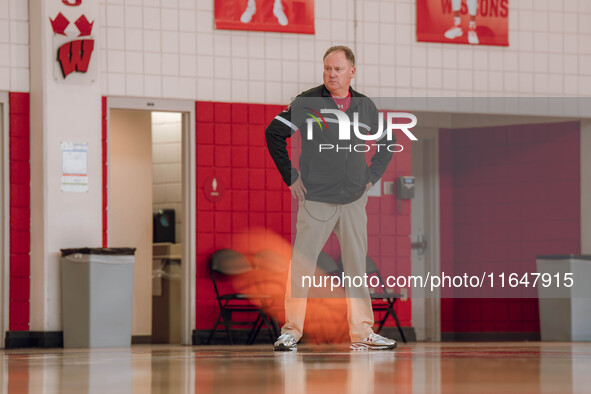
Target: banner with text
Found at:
479, 22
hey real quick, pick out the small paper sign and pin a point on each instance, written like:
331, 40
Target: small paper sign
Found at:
74, 167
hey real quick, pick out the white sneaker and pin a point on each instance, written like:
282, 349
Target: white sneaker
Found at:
285, 343
250, 10
454, 32
473, 37
280, 15
374, 342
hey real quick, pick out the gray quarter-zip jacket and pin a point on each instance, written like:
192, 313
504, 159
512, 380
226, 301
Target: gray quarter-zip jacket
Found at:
337, 175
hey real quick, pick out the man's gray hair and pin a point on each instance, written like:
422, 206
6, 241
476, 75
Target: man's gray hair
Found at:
348, 52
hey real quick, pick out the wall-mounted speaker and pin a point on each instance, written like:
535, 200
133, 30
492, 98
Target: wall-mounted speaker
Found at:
164, 226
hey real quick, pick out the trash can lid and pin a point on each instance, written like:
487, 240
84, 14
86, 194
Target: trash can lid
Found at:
103, 251
565, 257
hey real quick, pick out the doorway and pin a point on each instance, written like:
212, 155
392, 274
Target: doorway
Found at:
150, 199
425, 233
167, 215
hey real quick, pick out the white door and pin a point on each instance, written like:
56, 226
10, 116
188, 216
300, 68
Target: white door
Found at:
425, 233
130, 203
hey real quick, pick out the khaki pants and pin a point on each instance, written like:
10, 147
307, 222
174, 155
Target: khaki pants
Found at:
315, 222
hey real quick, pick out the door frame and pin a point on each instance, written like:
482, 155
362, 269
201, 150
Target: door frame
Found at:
189, 196
5, 214
430, 304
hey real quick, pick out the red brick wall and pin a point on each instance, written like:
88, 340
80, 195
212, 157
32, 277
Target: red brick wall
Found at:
20, 211
507, 195
231, 144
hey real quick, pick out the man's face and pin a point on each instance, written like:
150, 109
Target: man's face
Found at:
338, 73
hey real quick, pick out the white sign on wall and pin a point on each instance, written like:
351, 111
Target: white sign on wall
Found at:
74, 167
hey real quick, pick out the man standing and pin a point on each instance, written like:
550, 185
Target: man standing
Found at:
331, 188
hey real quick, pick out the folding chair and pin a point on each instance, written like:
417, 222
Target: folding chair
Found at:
327, 265
383, 301
227, 268
271, 270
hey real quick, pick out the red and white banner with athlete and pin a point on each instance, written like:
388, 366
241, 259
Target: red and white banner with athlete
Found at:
282, 16
476, 22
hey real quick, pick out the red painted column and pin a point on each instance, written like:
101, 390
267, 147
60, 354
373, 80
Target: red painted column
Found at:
20, 211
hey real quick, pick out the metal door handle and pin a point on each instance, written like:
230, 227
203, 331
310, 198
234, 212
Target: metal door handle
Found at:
420, 245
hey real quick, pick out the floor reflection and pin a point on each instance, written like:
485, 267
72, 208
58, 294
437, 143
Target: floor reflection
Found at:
414, 368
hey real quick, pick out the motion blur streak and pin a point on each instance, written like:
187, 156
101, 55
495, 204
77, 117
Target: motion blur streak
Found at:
270, 254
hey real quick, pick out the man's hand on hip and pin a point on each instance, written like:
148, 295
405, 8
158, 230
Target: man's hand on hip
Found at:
298, 190
368, 186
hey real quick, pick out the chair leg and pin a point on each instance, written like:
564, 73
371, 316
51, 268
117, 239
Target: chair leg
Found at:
275, 327
393, 313
261, 319
382, 322
227, 320
270, 328
213, 330
254, 331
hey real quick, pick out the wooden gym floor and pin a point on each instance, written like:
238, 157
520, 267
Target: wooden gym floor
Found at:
515, 367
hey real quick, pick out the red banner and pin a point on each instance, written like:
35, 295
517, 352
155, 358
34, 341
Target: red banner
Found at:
283, 16
487, 26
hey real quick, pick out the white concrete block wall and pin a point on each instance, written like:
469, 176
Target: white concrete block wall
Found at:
14, 45
171, 49
167, 161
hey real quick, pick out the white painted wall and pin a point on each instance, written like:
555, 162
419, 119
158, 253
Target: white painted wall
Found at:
14, 45
59, 112
167, 164
171, 49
